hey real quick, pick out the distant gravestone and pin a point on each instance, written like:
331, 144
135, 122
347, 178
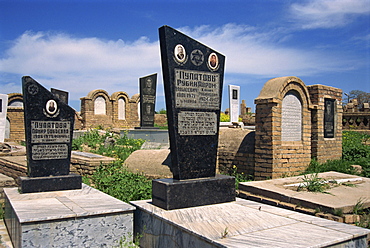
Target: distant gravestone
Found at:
193, 79
49, 131
329, 122
148, 86
3, 110
234, 102
60, 94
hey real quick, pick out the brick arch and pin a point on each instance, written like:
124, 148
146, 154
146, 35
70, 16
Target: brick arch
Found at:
277, 88
90, 119
120, 117
15, 97
276, 155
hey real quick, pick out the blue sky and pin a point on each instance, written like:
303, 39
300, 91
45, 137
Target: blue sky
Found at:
79, 46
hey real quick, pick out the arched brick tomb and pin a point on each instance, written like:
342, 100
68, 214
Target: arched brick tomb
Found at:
283, 128
295, 123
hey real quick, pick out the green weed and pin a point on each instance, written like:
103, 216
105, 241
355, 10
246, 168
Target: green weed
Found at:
117, 181
313, 183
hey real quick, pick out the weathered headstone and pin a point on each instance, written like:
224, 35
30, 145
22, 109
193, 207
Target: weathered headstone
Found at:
148, 86
329, 122
291, 123
193, 79
60, 94
3, 108
234, 95
49, 131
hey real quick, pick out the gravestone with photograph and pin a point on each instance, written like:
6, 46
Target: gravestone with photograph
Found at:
234, 102
148, 86
193, 79
329, 120
49, 126
3, 110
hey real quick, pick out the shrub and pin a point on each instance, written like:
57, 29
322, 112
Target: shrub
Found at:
117, 181
354, 151
354, 147
94, 140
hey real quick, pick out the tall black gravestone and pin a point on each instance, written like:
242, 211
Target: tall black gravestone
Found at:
148, 86
49, 131
193, 79
60, 94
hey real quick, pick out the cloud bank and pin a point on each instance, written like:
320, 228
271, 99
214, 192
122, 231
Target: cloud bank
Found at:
328, 13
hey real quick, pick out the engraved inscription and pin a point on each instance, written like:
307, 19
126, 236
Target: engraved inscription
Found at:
291, 126
44, 152
197, 123
196, 89
50, 131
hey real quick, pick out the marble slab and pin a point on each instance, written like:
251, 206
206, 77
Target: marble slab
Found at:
241, 223
70, 218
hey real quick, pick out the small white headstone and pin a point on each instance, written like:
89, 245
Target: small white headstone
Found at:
234, 96
3, 108
99, 106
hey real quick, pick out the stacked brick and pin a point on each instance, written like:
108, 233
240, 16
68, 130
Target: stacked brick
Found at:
324, 149
236, 151
275, 157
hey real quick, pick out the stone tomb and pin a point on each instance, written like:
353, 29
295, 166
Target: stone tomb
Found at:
234, 102
3, 107
148, 86
193, 79
49, 131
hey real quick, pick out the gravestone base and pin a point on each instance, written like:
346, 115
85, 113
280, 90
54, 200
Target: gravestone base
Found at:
51, 183
146, 128
71, 218
170, 194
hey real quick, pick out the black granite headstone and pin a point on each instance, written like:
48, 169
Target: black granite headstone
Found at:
148, 86
193, 79
49, 131
329, 120
60, 94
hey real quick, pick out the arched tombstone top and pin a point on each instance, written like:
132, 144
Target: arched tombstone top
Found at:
15, 100
119, 94
95, 93
277, 88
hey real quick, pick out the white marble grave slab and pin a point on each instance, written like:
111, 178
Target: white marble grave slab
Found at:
70, 218
242, 223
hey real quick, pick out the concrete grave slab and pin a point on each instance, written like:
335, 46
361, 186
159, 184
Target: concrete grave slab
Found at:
338, 197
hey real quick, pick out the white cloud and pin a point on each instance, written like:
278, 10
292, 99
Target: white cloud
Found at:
250, 51
79, 65
59, 60
328, 13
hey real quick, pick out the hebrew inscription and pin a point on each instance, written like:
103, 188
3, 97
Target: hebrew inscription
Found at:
197, 123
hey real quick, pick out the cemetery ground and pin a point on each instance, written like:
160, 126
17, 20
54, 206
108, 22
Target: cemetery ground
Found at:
305, 193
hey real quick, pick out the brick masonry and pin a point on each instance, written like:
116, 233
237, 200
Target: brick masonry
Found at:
325, 148
275, 157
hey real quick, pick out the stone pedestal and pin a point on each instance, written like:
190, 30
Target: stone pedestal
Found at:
174, 194
71, 218
51, 183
